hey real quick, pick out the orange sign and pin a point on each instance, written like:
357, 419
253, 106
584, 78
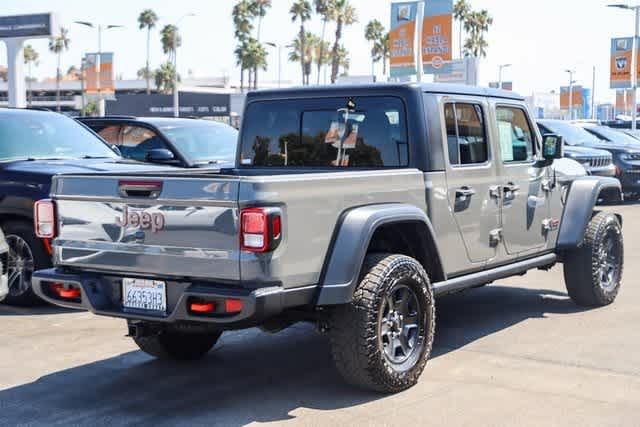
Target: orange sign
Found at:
576, 100
99, 74
436, 43
402, 55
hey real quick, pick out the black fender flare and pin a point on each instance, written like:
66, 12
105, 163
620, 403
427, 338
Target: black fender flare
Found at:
580, 201
351, 241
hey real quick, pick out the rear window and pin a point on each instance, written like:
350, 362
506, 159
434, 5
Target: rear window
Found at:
331, 132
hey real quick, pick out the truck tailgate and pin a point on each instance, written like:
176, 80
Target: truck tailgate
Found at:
162, 226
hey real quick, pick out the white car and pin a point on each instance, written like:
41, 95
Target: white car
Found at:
4, 260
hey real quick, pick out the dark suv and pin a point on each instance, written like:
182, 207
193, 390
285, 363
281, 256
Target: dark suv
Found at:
178, 142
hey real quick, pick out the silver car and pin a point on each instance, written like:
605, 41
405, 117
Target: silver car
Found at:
4, 259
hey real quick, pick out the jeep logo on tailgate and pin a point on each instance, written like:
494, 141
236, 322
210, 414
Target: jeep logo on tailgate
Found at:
145, 220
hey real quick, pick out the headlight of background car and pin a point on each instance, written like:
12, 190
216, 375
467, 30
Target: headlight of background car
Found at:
630, 156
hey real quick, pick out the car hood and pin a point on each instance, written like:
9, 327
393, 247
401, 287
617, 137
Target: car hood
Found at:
615, 147
54, 167
581, 151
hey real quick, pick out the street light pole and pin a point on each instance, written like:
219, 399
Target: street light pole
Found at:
500, 67
571, 82
279, 47
176, 89
634, 61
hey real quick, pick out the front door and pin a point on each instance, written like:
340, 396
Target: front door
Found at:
472, 178
522, 183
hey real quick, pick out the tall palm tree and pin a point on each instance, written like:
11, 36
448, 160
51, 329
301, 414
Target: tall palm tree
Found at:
147, 20
171, 40
305, 53
323, 8
344, 15
30, 58
256, 58
164, 77
477, 24
242, 14
301, 11
259, 8
58, 44
344, 61
461, 9
374, 33
321, 55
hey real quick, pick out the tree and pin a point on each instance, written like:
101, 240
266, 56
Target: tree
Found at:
476, 25
171, 40
164, 77
321, 55
460, 11
344, 61
259, 10
323, 8
256, 56
31, 57
90, 109
242, 15
374, 33
301, 11
305, 53
58, 44
344, 15
147, 20
144, 73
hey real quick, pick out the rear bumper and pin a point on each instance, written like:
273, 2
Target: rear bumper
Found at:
102, 295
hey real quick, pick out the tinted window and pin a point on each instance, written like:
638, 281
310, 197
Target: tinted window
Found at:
466, 137
515, 135
335, 132
203, 142
110, 133
47, 135
137, 141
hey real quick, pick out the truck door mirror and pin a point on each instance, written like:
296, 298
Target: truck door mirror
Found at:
552, 147
160, 155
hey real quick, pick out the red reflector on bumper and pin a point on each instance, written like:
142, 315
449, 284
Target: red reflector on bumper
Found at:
233, 305
69, 293
202, 307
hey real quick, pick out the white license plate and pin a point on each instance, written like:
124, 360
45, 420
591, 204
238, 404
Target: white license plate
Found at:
144, 294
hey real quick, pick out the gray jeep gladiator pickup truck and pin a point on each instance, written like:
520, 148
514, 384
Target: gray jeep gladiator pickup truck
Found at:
350, 206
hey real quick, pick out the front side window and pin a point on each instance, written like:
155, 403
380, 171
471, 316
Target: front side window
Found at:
137, 141
111, 134
203, 142
332, 132
515, 135
466, 136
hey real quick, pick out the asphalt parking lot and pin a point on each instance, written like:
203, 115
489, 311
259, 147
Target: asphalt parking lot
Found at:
516, 352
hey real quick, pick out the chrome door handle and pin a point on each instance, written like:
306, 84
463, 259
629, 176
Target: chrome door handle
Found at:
465, 192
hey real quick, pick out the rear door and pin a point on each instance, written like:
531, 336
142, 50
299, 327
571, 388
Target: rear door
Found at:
471, 177
523, 184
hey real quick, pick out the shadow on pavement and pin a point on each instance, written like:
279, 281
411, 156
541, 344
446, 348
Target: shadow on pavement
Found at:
250, 376
39, 310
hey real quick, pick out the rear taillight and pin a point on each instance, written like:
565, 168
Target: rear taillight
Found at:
260, 229
44, 218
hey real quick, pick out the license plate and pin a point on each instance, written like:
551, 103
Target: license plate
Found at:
144, 294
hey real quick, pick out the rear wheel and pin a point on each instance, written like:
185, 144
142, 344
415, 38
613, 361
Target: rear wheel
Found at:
381, 340
26, 255
178, 345
592, 271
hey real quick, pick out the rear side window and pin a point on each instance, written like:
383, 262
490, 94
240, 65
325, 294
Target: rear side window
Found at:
515, 135
466, 136
330, 132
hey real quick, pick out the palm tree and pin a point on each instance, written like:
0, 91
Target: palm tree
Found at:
323, 8
147, 20
460, 11
259, 8
256, 56
164, 77
242, 14
305, 53
343, 60
301, 10
374, 33
477, 24
171, 40
344, 15
30, 58
383, 51
321, 55
58, 44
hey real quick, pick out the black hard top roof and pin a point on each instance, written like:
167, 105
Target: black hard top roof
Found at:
438, 88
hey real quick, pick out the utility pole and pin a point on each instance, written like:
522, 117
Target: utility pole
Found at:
571, 82
176, 89
418, 40
593, 95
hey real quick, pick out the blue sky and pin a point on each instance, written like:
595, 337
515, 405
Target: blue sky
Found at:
540, 38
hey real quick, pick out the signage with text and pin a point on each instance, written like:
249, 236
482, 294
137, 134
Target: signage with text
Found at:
437, 29
99, 74
621, 58
402, 54
34, 25
576, 100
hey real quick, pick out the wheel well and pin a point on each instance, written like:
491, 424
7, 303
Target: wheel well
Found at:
411, 238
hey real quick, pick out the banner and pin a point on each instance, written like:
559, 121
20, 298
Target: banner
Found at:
577, 100
621, 58
99, 66
402, 54
437, 29
624, 101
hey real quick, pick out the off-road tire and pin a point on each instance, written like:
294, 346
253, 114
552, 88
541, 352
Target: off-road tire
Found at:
583, 265
355, 331
178, 346
41, 260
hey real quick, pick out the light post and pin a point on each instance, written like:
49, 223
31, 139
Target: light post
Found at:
279, 47
634, 60
571, 82
176, 94
100, 28
500, 68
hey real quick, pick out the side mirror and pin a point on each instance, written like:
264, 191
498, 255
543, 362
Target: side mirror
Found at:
160, 155
115, 149
552, 147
